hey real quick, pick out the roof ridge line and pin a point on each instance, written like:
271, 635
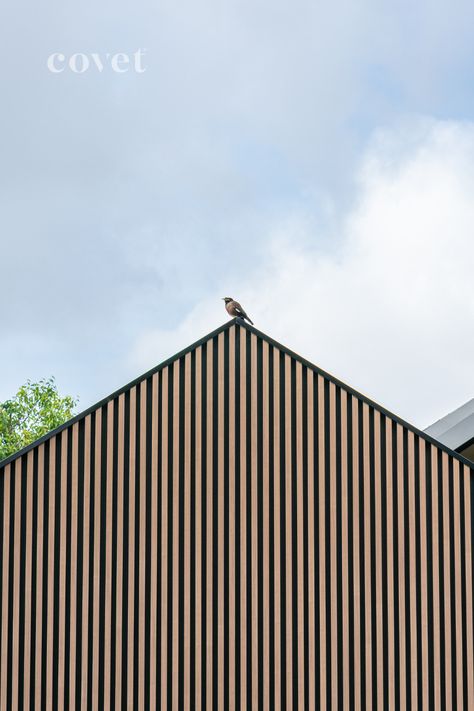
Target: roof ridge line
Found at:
364, 398
260, 334
104, 401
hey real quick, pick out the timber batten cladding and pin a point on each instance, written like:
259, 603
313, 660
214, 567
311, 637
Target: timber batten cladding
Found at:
236, 530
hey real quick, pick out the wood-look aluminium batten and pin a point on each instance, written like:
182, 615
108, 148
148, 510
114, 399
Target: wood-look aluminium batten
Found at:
236, 530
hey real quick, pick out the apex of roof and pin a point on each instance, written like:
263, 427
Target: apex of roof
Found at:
428, 436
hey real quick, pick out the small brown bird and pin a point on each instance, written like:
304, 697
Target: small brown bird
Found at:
233, 308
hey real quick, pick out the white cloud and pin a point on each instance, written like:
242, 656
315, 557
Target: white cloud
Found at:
125, 197
391, 310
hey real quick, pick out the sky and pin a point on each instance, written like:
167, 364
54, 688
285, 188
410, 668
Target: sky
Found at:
313, 160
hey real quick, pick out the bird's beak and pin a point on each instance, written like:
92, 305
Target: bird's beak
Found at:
223, 298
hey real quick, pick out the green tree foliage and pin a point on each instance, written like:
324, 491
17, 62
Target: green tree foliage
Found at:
36, 409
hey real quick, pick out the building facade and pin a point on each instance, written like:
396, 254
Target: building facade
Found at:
236, 530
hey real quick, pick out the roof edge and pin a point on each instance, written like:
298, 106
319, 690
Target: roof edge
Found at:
81, 415
359, 395
269, 340
466, 444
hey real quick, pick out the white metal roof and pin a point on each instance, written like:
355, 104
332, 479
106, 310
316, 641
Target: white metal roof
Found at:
455, 429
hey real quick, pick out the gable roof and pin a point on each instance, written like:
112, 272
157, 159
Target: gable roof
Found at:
424, 435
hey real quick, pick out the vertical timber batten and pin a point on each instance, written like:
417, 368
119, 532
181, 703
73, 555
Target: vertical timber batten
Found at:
236, 530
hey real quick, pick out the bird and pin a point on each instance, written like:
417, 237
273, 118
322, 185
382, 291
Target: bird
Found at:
233, 308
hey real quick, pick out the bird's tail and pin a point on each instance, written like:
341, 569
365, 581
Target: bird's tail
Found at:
250, 321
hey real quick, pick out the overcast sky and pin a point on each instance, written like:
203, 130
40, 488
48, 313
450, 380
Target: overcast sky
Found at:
314, 160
